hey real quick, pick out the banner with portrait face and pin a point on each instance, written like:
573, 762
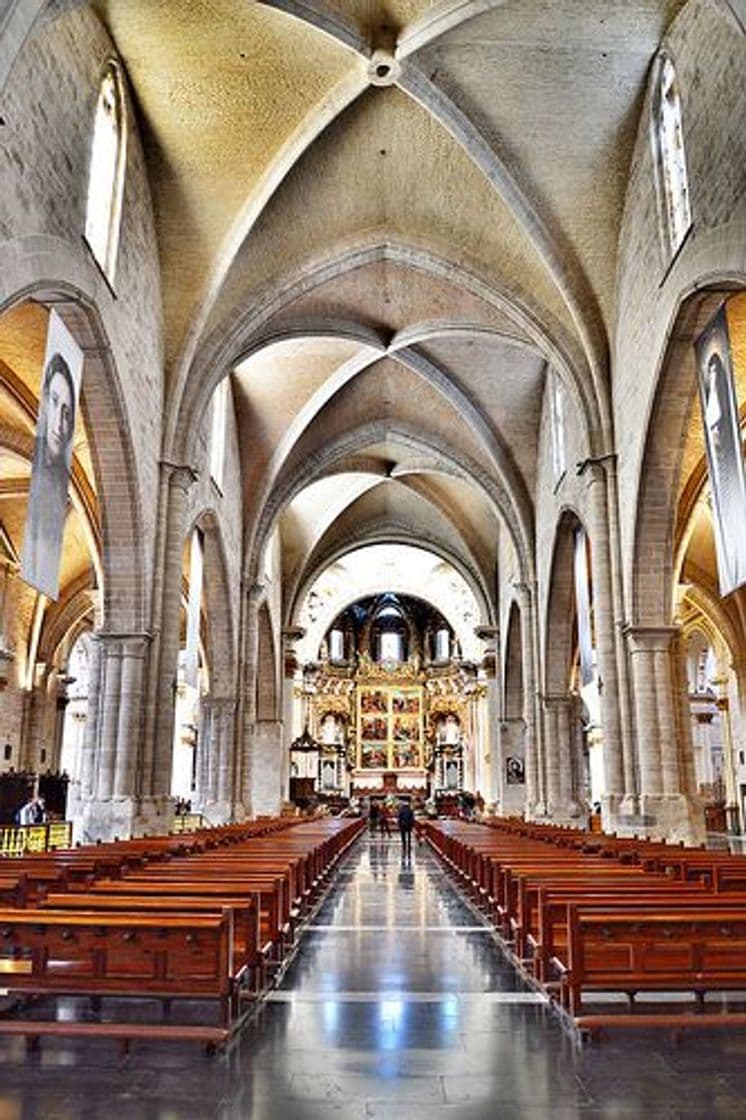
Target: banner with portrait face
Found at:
50, 472
724, 450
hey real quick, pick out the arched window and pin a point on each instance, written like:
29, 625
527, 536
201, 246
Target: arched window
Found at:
442, 644
389, 635
671, 159
217, 435
106, 175
557, 412
336, 645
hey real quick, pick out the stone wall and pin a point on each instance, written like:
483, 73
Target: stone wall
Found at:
707, 48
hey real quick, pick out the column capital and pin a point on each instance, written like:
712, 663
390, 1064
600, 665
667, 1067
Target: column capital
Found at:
557, 699
525, 591
650, 638
487, 633
292, 634
254, 592
131, 643
181, 476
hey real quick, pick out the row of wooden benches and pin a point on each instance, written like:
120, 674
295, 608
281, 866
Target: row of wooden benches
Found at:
204, 917
584, 916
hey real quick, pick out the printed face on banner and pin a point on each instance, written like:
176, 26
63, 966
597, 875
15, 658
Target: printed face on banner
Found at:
724, 451
50, 473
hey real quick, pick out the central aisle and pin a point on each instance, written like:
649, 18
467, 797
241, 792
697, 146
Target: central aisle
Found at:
400, 1005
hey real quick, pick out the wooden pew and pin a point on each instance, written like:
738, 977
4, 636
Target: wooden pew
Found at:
679, 950
92, 953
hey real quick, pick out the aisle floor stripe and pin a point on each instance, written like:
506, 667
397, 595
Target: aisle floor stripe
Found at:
515, 998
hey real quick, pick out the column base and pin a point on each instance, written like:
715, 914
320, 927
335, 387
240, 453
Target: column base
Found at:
615, 807
536, 811
568, 812
677, 818
217, 812
112, 818
513, 802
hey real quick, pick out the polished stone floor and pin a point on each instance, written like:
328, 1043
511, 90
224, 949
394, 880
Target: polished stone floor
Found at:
398, 1005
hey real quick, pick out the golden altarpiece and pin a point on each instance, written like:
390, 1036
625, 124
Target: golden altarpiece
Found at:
389, 724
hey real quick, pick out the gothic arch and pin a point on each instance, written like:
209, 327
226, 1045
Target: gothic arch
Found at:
654, 569
560, 639
267, 708
513, 686
124, 601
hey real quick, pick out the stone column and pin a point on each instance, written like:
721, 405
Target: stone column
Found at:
134, 652
225, 710
158, 772
563, 801
62, 702
292, 712
732, 808
93, 719
512, 796
536, 796
606, 654
108, 802
667, 807
204, 792
254, 598
493, 767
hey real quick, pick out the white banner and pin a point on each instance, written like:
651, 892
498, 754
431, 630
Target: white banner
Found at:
50, 473
724, 451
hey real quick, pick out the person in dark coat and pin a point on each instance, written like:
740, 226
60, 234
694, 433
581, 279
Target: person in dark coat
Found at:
405, 819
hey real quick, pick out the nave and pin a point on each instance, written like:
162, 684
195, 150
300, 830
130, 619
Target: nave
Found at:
398, 1004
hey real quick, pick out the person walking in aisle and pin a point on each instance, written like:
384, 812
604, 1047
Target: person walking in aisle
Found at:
405, 818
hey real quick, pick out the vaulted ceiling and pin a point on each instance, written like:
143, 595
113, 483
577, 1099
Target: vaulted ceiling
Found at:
391, 219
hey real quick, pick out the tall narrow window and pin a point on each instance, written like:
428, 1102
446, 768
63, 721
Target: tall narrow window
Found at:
557, 409
217, 436
669, 140
336, 645
442, 645
106, 176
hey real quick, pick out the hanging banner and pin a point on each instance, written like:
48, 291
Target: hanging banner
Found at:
50, 472
583, 603
724, 450
191, 666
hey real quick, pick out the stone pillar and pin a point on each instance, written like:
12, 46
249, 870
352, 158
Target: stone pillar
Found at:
732, 807
159, 756
107, 803
512, 797
204, 792
606, 653
536, 797
667, 807
266, 748
254, 598
59, 723
292, 707
563, 800
493, 766
226, 710
35, 701
93, 719
133, 656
